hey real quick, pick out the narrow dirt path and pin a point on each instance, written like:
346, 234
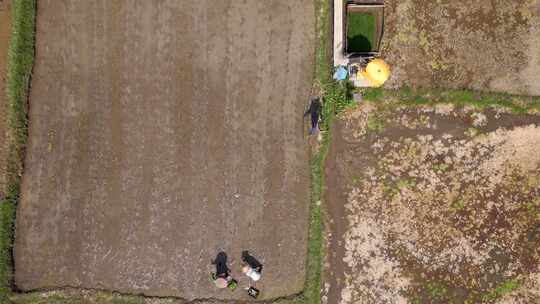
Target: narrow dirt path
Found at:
337, 225
162, 132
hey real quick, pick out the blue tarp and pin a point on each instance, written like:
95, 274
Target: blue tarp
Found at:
340, 73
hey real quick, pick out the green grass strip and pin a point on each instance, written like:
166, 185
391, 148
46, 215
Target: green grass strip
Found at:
19, 67
20, 63
501, 290
411, 97
360, 32
7, 215
311, 294
336, 97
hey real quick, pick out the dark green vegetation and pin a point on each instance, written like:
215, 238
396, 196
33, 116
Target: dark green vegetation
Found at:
480, 100
337, 98
20, 62
7, 214
360, 32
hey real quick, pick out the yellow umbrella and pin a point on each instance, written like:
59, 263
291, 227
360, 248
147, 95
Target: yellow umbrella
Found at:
378, 72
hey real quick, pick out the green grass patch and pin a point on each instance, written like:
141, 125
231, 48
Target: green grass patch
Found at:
337, 97
501, 290
373, 94
311, 293
19, 67
405, 183
412, 97
436, 290
458, 205
533, 209
440, 168
375, 123
472, 132
7, 215
360, 32
433, 292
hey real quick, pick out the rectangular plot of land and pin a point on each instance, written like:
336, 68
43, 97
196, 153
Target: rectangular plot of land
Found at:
360, 32
160, 133
481, 45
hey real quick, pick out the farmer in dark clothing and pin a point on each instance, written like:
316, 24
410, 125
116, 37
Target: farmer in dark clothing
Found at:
252, 269
222, 276
251, 261
315, 111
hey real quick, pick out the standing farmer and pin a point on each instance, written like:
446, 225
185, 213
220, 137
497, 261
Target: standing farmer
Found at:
315, 111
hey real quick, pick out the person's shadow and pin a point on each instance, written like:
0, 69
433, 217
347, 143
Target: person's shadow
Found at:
358, 44
252, 261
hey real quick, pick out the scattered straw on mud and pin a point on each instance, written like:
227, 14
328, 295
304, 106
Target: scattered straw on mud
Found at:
438, 216
483, 45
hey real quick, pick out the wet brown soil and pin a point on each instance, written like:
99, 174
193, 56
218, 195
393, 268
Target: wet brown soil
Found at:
162, 132
349, 159
337, 221
485, 45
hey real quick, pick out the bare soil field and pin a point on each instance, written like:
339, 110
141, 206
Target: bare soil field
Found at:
5, 29
160, 133
482, 45
433, 205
